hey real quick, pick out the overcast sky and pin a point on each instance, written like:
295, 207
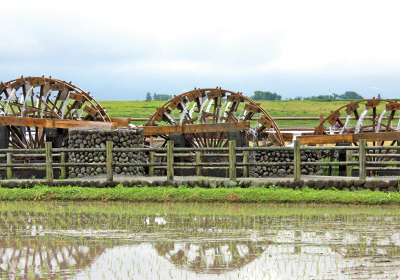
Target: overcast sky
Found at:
121, 51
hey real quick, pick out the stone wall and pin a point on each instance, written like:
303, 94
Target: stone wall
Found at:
285, 170
97, 138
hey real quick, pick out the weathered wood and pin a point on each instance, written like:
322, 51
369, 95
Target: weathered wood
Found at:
347, 138
151, 160
194, 128
297, 160
170, 160
349, 157
246, 167
198, 160
63, 170
9, 169
232, 160
55, 123
121, 121
109, 160
362, 159
49, 162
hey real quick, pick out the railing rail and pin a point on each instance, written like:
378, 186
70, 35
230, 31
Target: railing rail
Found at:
232, 153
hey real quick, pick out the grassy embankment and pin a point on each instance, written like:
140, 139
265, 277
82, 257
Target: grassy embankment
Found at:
282, 108
198, 195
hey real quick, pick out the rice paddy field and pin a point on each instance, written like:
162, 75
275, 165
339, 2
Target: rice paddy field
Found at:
120, 240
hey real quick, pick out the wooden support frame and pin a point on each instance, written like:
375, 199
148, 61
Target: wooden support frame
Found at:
56, 123
194, 128
347, 138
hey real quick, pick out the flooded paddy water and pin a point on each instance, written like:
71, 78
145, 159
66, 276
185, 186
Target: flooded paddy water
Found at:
95, 240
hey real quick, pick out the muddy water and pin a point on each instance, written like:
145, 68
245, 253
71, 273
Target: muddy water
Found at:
60, 240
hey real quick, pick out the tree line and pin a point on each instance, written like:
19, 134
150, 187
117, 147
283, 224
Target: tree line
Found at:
157, 97
267, 95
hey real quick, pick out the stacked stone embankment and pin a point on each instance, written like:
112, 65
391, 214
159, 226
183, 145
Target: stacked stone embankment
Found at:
285, 157
97, 138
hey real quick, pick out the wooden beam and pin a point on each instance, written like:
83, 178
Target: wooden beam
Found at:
121, 121
56, 123
347, 138
194, 128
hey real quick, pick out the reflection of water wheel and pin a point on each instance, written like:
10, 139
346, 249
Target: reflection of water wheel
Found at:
374, 123
217, 107
210, 257
28, 100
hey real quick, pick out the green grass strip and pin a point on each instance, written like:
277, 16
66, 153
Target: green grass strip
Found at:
199, 195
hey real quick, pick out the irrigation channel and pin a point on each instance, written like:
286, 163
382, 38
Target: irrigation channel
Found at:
60, 240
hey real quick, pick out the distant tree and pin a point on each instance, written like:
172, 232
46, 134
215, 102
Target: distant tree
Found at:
379, 96
265, 95
351, 95
159, 97
298, 98
148, 96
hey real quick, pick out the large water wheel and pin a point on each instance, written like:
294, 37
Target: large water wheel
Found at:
205, 117
38, 109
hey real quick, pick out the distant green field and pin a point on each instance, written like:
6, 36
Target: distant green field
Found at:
279, 108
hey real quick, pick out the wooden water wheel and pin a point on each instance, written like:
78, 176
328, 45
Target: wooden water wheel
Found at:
36, 109
206, 116
375, 120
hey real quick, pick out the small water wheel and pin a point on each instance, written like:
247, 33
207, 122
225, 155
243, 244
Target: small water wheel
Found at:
370, 119
30, 108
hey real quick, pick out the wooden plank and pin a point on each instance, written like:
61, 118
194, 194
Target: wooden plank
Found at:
170, 160
333, 117
373, 103
91, 111
49, 162
57, 87
214, 93
37, 82
265, 122
174, 102
232, 160
251, 108
194, 128
76, 97
121, 121
348, 138
297, 160
325, 139
235, 98
55, 123
392, 106
193, 95
352, 107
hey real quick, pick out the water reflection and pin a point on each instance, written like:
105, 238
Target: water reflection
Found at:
47, 244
